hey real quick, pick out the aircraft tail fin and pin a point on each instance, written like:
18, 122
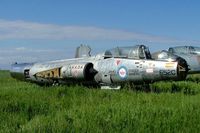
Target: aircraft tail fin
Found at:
83, 51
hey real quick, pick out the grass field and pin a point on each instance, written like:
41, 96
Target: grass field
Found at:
169, 107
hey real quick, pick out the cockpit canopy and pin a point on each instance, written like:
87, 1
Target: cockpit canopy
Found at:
134, 52
185, 50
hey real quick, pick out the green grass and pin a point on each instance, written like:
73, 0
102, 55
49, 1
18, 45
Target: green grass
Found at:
27, 107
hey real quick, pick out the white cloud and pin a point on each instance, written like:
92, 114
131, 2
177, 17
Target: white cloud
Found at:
31, 30
23, 54
20, 48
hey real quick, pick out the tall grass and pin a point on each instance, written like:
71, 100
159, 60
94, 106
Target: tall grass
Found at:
26, 107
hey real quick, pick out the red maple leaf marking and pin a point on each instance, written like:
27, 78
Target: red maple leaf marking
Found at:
118, 62
122, 73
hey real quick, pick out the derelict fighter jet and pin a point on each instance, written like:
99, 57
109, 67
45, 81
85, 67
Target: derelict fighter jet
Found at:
189, 53
110, 69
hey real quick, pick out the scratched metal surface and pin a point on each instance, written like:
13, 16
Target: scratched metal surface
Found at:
111, 69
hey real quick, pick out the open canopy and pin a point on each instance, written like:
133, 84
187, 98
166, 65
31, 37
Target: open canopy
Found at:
133, 52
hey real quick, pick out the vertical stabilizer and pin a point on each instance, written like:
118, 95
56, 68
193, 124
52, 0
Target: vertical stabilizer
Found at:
83, 51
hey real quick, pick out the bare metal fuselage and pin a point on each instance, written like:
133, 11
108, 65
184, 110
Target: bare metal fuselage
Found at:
114, 67
109, 71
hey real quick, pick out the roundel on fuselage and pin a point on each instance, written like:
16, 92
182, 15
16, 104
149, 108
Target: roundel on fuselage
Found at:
122, 72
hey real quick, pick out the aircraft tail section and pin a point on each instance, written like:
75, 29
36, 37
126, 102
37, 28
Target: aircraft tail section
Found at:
21, 71
83, 51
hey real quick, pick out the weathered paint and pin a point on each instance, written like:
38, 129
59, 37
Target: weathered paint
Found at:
105, 69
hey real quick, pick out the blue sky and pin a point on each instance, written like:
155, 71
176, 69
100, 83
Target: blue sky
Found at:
38, 30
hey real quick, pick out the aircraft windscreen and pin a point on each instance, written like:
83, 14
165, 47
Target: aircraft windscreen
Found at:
134, 52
